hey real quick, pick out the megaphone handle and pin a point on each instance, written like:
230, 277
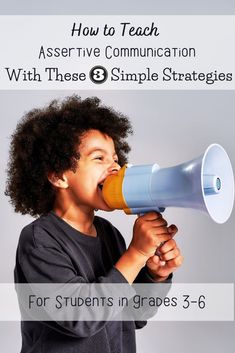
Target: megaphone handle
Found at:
157, 209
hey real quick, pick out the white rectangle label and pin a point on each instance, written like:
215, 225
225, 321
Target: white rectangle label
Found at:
115, 302
117, 52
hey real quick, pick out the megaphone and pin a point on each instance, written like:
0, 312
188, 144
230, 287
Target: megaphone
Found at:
205, 183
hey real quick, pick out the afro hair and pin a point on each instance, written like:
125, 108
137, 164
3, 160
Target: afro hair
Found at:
46, 140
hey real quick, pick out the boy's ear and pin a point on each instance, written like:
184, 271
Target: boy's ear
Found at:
58, 181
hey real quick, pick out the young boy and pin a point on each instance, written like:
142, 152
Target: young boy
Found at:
60, 157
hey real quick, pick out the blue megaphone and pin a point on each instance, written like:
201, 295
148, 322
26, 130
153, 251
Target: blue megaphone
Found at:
205, 183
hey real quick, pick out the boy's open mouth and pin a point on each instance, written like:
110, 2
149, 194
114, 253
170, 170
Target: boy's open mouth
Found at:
100, 186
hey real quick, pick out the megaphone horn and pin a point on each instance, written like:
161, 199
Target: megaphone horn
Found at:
205, 183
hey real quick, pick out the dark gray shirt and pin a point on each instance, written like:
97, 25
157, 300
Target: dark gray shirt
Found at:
51, 251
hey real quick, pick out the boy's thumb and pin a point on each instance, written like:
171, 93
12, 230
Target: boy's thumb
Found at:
154, 263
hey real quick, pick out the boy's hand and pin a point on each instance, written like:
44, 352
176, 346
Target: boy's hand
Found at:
167, 259
149, 232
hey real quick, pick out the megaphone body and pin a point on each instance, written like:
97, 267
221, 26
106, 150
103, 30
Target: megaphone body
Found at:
205, 183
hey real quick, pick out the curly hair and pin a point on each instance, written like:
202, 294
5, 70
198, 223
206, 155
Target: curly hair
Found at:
46, 141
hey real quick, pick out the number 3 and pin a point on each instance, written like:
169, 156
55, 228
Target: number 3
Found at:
98, 74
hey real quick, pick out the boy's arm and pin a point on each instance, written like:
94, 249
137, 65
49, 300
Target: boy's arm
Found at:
49, 265
136, 267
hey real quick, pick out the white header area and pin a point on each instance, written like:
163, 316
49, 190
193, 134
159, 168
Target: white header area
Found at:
117, 52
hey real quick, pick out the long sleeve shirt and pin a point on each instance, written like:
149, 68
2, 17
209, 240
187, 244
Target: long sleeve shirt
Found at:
51, 251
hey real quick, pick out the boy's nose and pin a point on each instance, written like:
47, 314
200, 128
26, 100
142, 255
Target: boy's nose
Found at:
114, 168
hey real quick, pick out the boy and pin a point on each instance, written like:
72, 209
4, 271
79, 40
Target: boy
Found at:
59, 159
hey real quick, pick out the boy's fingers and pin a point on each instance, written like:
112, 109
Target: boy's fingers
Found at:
174, 263
172, 229
161, 238
161, 230
170, 255
154, 263
168, 246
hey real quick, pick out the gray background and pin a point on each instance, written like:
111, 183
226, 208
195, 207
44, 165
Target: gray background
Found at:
170, 127
134, 7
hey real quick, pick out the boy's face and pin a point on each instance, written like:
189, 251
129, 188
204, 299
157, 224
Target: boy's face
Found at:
98, 159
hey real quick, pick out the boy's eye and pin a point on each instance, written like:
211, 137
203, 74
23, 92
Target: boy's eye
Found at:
100, 158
